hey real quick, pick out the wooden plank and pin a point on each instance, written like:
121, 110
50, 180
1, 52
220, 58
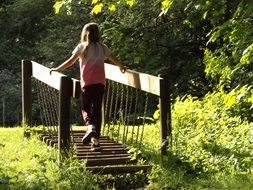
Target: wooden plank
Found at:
142, 81
101, 145
104, 152
109, 161
101, 156
79, 141
118, 169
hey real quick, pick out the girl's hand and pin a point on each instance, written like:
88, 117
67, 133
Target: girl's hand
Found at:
123, 69
53, 69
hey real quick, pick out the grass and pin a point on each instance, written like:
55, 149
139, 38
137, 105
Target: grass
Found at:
27, 163
30, 164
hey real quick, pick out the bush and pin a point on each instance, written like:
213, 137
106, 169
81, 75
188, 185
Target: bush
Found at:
212, 145
206, 135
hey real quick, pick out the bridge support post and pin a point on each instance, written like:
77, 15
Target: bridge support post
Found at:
64, 117
26, 67
165, 114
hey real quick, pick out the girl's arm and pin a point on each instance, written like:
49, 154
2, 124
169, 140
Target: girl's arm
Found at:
68, 63
117, 62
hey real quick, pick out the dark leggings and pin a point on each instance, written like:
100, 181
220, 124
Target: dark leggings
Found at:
92, 97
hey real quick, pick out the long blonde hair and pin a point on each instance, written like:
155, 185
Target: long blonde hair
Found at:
90, 33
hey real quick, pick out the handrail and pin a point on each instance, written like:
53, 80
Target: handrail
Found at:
42, 73
141, 81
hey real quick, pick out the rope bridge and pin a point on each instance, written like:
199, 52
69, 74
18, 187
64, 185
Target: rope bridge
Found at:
125, 113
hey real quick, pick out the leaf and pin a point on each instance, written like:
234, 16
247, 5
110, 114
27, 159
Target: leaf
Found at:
230, 101
204, 15
94, 2
112, 7
97, 8
247, 55
166, 4
250, 99
130, 2
156, 114
57, 6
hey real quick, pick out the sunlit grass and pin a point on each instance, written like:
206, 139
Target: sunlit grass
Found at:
27, 163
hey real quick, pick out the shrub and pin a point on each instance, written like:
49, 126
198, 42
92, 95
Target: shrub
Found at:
209, 137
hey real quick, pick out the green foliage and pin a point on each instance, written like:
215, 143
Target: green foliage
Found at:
212, 144
228, 57
10, 98
239, 102
20, 24
219, 31
122, 181
209, 138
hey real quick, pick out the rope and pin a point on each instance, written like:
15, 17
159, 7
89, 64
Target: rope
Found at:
144, 119
120, 112
125, 130
48, 107
42, 112
114, 120
135, 113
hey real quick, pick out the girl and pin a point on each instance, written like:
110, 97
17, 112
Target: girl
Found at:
91, 53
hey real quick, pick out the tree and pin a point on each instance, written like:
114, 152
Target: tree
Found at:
10, 97
19, 27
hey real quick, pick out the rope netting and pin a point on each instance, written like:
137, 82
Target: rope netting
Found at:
47, 99
126, 113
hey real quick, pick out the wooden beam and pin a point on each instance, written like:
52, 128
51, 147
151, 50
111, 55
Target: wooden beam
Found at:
109, 161
64, 117
142, 81
164, 104
26, 93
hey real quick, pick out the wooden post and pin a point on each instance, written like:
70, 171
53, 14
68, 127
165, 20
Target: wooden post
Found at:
165, 115
26, 93
64, 117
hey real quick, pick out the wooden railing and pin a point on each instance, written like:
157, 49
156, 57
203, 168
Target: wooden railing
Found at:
69, 87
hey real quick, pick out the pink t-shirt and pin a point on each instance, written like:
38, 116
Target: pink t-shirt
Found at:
92, 62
